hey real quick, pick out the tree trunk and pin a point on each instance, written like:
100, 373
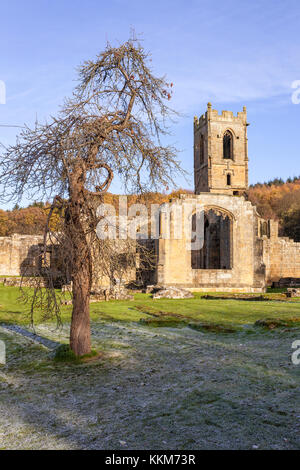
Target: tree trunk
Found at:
80, 333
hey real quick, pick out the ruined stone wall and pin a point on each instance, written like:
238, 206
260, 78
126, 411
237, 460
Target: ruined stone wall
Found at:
281, 255
19, 254
257, 253
247, 273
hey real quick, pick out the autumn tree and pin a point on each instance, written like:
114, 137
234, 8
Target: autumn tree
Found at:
4, 223
281, 201
112, 125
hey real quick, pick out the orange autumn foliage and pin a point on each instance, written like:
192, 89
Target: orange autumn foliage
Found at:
277, 200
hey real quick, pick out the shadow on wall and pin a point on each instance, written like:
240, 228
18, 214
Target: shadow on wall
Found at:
35, 263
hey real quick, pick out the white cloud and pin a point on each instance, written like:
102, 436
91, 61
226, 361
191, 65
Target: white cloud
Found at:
2, 92
225, 81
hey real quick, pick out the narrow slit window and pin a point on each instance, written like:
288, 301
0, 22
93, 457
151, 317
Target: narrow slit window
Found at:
228, 145
201, 149
228, 180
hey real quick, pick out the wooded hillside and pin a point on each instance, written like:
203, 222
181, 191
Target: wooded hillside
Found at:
279, 200
276, 199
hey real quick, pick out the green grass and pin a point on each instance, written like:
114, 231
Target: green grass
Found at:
64, 354
228, 313
276, 290
230, 390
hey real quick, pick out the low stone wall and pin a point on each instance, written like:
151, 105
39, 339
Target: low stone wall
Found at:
282, 258
19, 254
17, 281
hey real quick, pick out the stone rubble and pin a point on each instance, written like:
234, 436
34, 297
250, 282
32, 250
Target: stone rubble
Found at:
172, 292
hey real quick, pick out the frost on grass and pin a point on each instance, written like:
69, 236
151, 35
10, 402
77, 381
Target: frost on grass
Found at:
153, 388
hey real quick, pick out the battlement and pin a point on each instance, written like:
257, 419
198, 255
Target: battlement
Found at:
213, 114
221, 152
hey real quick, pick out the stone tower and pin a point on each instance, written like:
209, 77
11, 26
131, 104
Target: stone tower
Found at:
221, 152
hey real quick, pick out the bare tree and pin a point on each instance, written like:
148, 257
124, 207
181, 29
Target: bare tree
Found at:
123, 262
112, 125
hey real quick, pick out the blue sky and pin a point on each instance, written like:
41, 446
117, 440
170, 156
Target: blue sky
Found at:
231, 53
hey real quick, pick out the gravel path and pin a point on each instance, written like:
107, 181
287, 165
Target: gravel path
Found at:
48, 343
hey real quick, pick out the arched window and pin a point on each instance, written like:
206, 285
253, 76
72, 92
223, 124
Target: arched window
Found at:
228, 145
228, 179
201, 149
264, 229
216, 252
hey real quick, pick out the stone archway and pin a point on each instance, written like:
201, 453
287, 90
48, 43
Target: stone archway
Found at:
216, 252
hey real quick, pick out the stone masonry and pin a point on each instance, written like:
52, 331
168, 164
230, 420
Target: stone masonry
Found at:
19, 254
241, 252
212, 171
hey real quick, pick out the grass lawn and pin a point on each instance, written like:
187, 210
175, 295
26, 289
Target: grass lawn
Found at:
172, 374
228, 312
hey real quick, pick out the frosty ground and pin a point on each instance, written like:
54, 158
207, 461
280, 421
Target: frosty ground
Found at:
155, 386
